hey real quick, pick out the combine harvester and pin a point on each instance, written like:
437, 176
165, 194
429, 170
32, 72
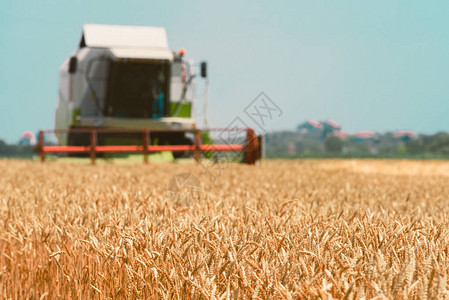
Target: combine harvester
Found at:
125, 91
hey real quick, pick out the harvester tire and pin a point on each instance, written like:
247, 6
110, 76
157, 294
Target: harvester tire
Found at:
183, 154
79, 139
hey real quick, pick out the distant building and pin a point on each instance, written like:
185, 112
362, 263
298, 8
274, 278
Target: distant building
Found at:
321, 129
310, 126
406, 135
341, 134
363, 136
330, 127
27, 138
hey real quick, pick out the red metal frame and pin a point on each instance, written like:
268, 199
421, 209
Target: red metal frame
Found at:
250, 147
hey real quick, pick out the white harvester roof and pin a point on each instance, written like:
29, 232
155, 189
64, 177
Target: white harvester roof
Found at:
128, 41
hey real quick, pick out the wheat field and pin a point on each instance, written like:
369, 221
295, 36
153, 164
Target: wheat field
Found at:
346, 229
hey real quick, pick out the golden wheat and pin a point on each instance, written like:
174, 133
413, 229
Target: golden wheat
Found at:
284, 229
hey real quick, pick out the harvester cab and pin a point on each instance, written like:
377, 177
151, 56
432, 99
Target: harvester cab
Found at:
125, 77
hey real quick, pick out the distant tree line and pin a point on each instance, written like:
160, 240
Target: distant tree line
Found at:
15, 151
438, 144
299, 144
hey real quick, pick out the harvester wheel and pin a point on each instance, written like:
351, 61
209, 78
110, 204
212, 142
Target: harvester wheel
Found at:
79, 139
183, 154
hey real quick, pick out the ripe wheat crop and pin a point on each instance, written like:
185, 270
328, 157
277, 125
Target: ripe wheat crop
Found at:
284, 229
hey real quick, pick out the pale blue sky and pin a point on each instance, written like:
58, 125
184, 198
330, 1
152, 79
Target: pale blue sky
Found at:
370, 65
